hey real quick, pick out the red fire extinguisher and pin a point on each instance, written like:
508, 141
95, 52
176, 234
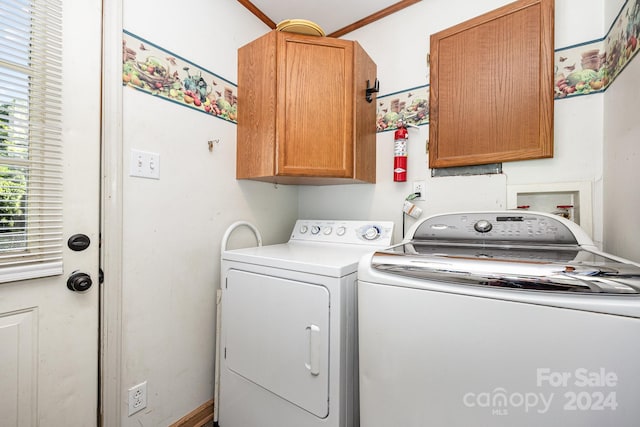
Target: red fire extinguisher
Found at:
400, 154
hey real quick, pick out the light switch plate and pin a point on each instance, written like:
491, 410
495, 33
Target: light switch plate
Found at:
144, 164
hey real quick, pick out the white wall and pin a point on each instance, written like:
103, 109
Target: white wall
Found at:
611, 10
622, 164
173, 226
399, 45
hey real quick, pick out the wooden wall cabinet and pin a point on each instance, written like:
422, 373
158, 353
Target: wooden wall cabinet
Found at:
491, 93
302, 113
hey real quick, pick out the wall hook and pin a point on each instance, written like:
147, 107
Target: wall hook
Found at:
211, 142
374, 89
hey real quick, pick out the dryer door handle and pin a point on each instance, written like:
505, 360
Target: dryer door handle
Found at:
313, 358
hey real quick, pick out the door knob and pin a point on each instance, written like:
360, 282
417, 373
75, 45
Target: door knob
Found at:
79, 282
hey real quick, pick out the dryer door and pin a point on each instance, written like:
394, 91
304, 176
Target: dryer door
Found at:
277, 336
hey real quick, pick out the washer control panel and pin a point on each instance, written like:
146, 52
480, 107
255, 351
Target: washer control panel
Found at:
522, 227
378, 233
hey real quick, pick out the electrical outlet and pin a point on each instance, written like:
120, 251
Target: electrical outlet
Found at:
137, 398
419, 187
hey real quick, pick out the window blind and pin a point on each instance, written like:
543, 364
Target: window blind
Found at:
31, 163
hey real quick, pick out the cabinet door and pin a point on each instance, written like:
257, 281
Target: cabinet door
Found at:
315, 95
491, 94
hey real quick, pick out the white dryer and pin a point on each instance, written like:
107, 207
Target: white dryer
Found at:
289, 333
498, 319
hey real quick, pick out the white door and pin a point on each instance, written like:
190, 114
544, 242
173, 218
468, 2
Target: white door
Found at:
48, 333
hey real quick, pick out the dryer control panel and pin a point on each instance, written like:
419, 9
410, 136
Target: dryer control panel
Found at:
374, 233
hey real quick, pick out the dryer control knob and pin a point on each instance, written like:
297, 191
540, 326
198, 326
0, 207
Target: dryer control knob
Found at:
371, 233
483, 226
327, 231
341, 231
304, 229
315, 229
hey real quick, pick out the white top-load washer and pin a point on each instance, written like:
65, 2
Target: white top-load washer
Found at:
288, 336
498, 319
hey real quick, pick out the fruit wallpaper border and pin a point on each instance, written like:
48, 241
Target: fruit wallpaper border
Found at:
156, 71
591, 67
581, 69
410, 106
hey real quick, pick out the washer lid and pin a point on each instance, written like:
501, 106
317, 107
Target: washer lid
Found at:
555, 268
